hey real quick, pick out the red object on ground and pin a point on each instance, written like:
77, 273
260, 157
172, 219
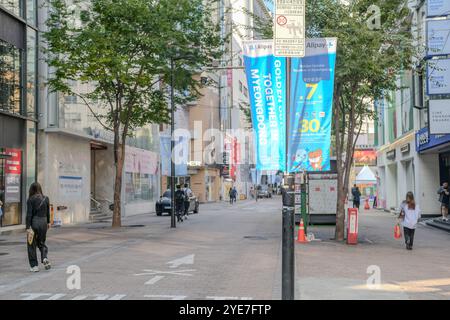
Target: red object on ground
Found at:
352, 226
301, 238
366, 205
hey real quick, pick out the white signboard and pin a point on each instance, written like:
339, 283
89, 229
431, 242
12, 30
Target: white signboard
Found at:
438, 37
70, 187
438, 8
439, 116
289, 39
438, 74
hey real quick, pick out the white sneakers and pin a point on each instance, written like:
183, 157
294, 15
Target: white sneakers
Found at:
47, 264
34, 269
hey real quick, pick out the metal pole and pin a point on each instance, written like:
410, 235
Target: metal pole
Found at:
172, 146
288, 267
288, 258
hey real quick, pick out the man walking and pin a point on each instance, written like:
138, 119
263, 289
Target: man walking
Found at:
233, 195
444, 199
356, 197
179, 203
187, 199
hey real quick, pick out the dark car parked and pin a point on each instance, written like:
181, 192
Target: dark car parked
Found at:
163, 204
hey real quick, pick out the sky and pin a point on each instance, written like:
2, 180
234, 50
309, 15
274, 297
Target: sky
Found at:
269, 4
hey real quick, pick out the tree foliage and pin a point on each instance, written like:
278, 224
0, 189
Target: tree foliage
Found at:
122, 50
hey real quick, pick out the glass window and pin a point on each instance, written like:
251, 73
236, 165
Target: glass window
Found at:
31, 12
10, 90
31, 153
31, 73
15, 6
140, 187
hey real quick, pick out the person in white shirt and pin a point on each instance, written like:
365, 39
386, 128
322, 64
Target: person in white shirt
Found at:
410, 215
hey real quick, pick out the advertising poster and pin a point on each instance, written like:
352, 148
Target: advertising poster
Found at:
438, 72
181, 157
266, 78
13, 170
140, 161
437, 8
438, 33
312, 84
439, 116
363, 158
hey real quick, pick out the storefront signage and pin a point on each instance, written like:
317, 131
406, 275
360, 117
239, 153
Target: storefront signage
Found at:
390, 155
13, 171
70, 187
405, 148
289, 40
140, 161
363, 158
439, 116
437, 37
437, 8
425, 140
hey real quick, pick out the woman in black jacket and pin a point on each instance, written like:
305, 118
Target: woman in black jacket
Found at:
38, 222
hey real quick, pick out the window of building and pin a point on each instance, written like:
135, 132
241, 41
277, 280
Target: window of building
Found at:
240, 86
31, 73
10, 88
245, 92
14, 6
31, 12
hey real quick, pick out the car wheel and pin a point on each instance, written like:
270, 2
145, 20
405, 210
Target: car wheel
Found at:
196, 208
158, 213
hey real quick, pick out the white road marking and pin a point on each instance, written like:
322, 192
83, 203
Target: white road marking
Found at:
228, 298
82, 297
184, 260
154, 280
118, 297
63, 267
57, 296
149, 272
163, 296
32, 296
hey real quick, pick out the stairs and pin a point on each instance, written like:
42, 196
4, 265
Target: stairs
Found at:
100, 211
438, 223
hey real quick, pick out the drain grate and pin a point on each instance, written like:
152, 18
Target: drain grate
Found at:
3, 253
255, 238
135, 226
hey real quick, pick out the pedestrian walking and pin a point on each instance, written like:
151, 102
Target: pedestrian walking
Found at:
187, 199
444, 199
356, 197
233, 195
179, 203
37, 224
409, 215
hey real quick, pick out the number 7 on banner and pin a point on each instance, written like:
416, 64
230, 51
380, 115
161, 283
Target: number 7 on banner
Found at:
313, 87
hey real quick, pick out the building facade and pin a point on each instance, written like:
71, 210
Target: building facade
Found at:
18, 107
409, 157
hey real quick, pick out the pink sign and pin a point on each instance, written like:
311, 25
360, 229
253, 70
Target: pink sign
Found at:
140, 161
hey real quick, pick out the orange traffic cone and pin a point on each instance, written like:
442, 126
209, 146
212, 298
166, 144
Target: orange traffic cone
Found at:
366, 205
301, 238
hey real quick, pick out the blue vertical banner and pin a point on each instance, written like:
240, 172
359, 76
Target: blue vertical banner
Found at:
311, 100
266, 78
166, 158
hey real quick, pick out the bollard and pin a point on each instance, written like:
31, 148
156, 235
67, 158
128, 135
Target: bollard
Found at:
288, 259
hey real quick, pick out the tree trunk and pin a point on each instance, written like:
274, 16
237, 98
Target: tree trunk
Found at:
119, 158
340, 205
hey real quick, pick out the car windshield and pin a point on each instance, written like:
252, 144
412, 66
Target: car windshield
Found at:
166, 194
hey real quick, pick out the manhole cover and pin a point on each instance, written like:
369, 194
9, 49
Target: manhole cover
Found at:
255, 238
12, 243
3, 253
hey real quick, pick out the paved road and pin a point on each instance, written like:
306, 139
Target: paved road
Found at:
226, 252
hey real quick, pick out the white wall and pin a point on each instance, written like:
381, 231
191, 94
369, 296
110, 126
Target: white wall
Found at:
62, 155
427, 183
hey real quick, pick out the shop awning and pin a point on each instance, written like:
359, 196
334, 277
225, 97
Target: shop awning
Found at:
365, 176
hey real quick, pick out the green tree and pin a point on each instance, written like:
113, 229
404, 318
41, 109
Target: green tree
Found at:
123, 50
369, 59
